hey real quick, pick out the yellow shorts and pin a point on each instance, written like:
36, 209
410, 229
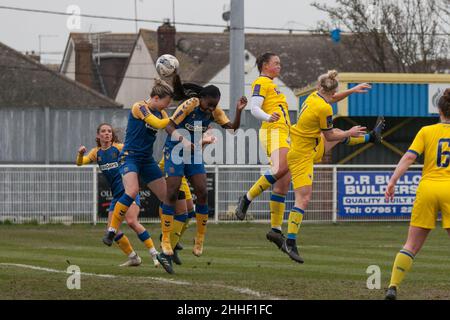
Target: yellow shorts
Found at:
185, 188
431, 197
301, 158
272, 139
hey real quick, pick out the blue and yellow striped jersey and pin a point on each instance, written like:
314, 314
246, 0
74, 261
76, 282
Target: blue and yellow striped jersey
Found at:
190, 117
107, 160
434, 143
140, 135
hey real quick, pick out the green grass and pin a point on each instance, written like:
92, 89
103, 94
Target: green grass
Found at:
236, 257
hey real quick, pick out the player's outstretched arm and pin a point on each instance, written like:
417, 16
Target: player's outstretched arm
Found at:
338, 135
403, 165
242, 103
360, 88
156, 122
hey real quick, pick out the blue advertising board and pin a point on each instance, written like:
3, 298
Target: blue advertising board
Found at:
361, 194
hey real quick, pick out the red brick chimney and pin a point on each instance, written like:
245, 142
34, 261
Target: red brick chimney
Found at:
83, 63
166, 39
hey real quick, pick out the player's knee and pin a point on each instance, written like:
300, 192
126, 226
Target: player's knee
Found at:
131, 221
280, 170
132, 192
172, 196
202, 195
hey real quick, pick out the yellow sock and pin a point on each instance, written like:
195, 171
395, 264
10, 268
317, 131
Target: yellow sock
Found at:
294, 222
402, 264
352, 141
124, 244
120, 209
202, 220
263, 183
166, 226
178, 224
277, 206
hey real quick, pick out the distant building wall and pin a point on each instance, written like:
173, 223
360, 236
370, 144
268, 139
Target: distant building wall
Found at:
24, 139
139, 76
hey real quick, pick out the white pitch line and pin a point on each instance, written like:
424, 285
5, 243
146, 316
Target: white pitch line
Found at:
26, 266
246, 291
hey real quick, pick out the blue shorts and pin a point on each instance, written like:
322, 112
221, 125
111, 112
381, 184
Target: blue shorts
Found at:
146, 168
188, 170
115, 199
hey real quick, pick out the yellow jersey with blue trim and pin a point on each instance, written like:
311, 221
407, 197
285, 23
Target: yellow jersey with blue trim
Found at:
434, 143
274, 101
316, 115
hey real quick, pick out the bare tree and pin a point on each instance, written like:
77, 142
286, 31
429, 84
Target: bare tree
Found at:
405, 36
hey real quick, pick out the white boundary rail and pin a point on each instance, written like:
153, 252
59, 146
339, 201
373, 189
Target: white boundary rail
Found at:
68, 194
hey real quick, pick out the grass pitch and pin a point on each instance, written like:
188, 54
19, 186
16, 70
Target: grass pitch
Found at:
238, 263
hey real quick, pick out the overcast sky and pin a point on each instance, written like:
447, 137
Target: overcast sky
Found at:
21, 30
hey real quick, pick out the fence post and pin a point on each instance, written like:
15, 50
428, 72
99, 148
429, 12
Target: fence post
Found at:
216, 194
334, 216
95, 191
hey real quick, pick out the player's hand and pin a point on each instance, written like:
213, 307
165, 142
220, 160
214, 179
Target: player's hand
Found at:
274, 117
242, 103
187, 144
390, 191
209, 140
361, 88
82, 150
357, 131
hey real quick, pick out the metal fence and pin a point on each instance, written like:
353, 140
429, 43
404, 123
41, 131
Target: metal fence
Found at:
68, 194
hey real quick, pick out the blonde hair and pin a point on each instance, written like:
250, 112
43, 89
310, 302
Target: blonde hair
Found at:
161, 89
328, 82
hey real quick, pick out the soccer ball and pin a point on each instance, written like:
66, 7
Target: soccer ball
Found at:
166, 65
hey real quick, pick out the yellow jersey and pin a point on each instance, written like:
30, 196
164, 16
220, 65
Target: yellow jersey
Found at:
434, 143
274, 101
316, 115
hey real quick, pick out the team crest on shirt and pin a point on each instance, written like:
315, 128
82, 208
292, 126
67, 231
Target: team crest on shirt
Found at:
99, 159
